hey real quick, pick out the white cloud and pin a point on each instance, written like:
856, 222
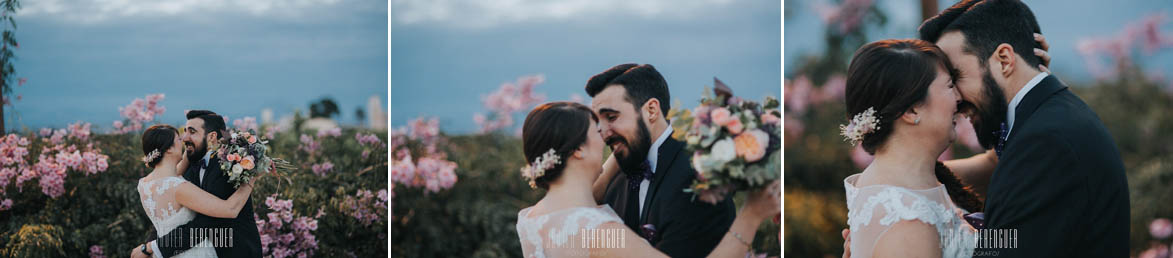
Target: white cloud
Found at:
96, 11
478, 13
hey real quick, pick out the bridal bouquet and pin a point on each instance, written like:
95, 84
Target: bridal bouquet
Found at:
735, 143
243, 155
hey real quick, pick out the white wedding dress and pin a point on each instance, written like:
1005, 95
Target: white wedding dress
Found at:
158, 199
873, 209
559, 233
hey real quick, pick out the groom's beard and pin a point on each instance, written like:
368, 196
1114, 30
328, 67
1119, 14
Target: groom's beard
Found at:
197, 152
989, 115
637, 151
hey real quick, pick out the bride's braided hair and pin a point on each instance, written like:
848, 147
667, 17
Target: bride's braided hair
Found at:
890, 76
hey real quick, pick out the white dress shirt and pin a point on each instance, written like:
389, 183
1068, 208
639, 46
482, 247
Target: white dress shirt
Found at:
653, 156
1018, 98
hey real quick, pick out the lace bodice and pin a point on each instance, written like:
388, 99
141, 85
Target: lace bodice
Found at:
873, 209
158, 199
557, 234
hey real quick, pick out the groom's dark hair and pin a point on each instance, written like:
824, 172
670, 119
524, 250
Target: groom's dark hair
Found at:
212, 121
642, 83
986, 24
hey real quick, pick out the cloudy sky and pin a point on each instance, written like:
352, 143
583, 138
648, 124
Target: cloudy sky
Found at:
85, 58
446, 55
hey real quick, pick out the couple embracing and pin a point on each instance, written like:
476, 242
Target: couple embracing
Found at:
1052, 183
634, 205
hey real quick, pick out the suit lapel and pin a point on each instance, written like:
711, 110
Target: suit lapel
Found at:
1033, 99
664, 160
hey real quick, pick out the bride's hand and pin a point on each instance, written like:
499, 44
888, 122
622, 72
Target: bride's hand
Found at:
764, 203
1042, 53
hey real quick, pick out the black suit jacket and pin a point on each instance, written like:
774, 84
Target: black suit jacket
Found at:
246, 241
1059, 182
684, 227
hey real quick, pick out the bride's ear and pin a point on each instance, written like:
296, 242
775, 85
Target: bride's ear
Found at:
911, 116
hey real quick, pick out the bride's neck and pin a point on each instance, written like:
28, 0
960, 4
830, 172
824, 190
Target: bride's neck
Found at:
571, 189
166, 168
905, 165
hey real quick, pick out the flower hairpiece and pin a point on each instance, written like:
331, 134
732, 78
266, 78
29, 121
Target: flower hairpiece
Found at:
860, 125
151, 156
533, 171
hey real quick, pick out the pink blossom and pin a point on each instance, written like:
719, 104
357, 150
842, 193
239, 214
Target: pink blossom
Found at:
335, 132
1161, 228
5, 204
798, 94
245, 124
506, 100
323, 168
140, 111
96, 252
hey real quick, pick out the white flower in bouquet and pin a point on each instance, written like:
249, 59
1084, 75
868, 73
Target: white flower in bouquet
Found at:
723, 151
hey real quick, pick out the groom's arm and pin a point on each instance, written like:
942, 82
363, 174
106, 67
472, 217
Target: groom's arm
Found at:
698, 227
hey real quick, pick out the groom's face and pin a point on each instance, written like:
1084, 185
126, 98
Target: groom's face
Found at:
193, 138
983, 98
622, 127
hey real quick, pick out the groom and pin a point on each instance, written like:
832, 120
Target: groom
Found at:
631, 102
235, 237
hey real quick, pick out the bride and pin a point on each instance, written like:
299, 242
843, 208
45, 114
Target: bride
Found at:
903, 107
564, 149
171, 201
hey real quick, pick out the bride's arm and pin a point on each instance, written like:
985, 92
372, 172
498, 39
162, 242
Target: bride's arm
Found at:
205, 203
909, 238
975, 171
610, 168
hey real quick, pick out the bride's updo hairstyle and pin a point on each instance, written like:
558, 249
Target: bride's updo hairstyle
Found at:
558, 126
157, 138
890, 77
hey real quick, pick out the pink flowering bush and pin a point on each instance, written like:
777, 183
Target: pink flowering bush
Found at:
1119, 48
285, 234
138, 113
366, 207
507, 100
431, 169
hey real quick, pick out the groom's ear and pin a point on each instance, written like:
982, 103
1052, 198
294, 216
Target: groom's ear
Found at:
651, 110
1005, 58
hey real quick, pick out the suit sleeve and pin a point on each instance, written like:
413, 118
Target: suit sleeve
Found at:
699, 226
1042, 182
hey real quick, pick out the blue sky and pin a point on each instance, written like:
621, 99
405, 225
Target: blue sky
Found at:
84, 59
1064, 22
446, 55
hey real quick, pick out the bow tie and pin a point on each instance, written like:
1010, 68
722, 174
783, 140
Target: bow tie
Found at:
634, 178
1001, 133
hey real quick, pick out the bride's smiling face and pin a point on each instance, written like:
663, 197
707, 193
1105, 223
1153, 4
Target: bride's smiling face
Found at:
592, 149
939, 111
